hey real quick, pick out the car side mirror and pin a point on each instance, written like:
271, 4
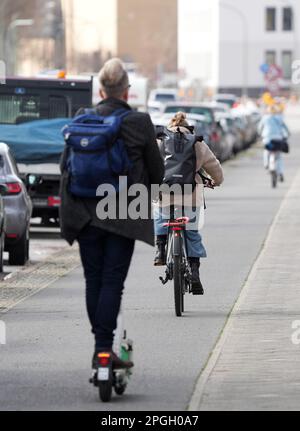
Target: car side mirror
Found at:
3, 189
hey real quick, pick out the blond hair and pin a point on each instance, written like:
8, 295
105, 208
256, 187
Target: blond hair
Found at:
113, 78
179, 120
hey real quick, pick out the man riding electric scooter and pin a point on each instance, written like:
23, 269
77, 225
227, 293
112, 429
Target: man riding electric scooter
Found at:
106, 245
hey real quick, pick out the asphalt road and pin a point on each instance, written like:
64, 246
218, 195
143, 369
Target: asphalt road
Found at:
45, 364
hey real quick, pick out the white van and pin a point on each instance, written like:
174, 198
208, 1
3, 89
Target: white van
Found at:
159, 97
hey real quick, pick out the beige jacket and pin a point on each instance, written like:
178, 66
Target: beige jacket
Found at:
207, 161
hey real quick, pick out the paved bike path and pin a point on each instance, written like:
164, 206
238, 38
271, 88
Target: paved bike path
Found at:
255, 365
45, 363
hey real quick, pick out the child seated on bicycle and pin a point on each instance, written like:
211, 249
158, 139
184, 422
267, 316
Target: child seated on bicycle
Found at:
204, 160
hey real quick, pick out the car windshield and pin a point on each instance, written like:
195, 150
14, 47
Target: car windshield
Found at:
164, 97
199, 110
230, 122
228, 102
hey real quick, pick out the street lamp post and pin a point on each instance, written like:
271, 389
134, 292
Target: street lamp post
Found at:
11, 47
245, 44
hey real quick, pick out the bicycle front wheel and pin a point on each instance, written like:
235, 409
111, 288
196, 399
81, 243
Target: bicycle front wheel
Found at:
274, 179
178, 286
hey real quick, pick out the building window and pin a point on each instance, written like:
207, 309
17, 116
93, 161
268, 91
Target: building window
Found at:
287, 59
270, 57
287, 24
271, 19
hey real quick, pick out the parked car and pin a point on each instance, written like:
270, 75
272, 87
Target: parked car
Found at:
3, 190
247, 128
229, 99
220, 107
201, 126
233, 134
250, 120
239, 132
160, 96
217, 139
204, 124
17, 207
204, 109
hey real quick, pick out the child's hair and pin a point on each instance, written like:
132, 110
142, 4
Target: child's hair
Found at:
179, 120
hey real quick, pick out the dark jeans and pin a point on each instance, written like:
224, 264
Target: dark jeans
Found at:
106, 259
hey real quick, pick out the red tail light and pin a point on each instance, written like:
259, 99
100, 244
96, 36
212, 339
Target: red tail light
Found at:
13, 188
54, 201
215, 137
11, 235
104, 359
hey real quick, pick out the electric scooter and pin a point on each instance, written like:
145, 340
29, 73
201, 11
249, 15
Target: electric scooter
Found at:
105, 377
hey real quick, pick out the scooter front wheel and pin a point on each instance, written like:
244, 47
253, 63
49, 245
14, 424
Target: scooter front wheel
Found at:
119, 390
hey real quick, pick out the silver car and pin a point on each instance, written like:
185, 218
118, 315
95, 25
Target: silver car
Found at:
17, 207
3, 190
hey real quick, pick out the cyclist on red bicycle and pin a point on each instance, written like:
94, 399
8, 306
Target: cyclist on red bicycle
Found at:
205, 160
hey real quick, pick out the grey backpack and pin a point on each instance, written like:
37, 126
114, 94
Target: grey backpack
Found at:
179, 155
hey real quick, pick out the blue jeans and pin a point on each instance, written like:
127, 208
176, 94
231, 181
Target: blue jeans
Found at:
106, 259
195, 247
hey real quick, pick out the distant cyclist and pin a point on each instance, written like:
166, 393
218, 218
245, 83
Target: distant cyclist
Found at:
205, 160
274, 133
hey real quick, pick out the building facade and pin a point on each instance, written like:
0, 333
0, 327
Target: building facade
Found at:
135, 30
235, 39
31, 35
147, 34
81, 35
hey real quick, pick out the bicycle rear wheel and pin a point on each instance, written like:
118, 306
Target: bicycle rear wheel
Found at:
178, 286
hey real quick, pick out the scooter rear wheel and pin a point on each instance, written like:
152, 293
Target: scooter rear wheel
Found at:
105, 387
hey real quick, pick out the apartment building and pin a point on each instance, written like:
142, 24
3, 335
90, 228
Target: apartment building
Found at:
230, 41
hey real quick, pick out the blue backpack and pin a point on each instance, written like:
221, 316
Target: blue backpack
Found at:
96, 153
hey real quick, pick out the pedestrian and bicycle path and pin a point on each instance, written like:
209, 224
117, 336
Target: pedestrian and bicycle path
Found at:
256, 362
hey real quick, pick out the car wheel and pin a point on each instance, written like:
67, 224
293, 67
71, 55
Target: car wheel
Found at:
19, 253
1, 251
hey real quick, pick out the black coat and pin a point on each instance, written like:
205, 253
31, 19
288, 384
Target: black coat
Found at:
138, 134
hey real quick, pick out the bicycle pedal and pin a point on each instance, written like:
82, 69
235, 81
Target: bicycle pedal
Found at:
164, 280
